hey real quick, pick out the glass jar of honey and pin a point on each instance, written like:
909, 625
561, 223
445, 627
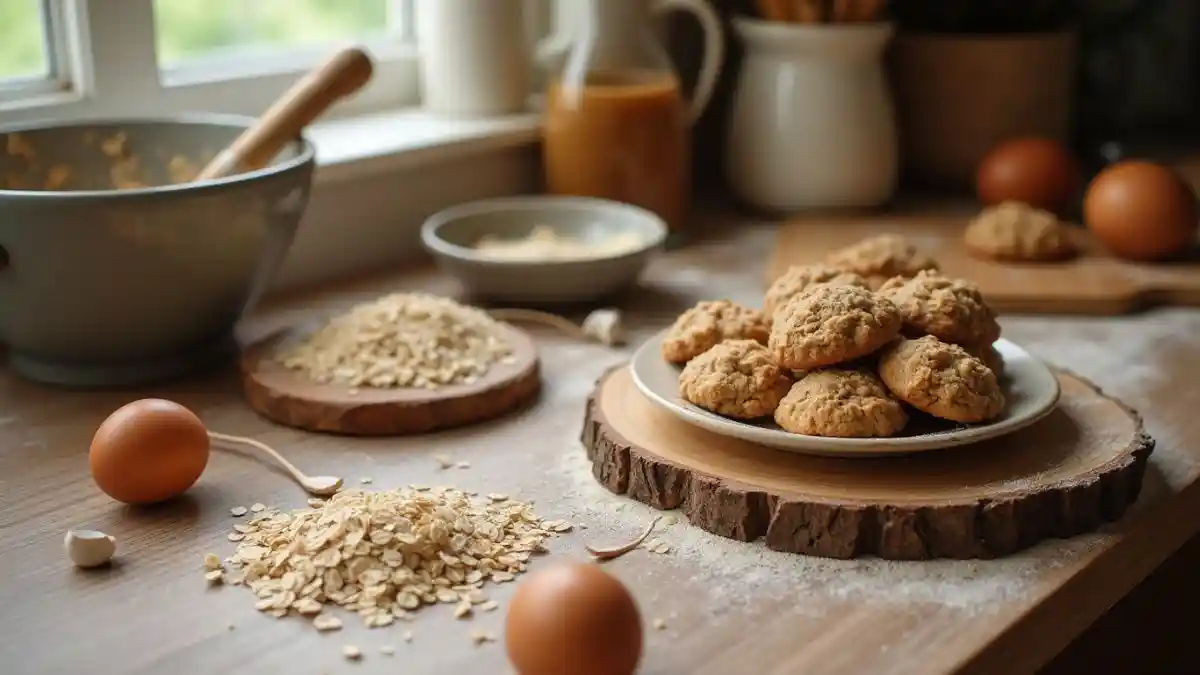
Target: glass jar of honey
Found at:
617, 124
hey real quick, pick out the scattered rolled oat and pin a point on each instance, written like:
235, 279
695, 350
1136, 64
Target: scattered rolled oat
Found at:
462, 465
402, 340
238, 511
385, 554
214, 576
659, 624
258, 507
408, 636
387, 650
489, 605
481, 636
212, 562
463, 609
351, 652
443, 461
365, 480
325, 622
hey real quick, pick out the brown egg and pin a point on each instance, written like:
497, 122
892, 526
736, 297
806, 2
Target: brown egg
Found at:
1036, 171
573, 619
148, 451
1141, 211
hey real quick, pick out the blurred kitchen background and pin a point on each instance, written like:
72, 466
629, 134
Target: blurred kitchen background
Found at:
1134, 86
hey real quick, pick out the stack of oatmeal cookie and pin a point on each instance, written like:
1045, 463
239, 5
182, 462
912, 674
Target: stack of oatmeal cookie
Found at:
845, 347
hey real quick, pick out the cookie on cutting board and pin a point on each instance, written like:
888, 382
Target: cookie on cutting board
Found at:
1016, 232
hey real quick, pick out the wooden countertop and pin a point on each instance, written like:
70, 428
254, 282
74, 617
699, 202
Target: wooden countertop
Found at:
728, 607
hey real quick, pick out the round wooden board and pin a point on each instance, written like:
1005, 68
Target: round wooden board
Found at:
1078, 468
289, 398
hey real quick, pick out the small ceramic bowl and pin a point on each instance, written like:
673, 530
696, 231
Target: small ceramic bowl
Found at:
451, 237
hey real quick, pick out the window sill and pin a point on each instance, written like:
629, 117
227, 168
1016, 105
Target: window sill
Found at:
401, 140
379, 176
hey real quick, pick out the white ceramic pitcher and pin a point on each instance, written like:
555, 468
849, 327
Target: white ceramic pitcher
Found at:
812, 123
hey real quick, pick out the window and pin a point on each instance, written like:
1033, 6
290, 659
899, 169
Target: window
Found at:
154, 57
24, 42
194, 35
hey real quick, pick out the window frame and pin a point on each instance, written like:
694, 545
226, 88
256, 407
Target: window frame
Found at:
104, 55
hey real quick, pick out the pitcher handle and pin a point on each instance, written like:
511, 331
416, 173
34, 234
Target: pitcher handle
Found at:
714, 50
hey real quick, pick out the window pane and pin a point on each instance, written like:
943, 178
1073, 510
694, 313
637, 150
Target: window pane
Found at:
189, 30
23, 52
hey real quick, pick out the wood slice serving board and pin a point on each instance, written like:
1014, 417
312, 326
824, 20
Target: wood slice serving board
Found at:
1094, 283
1076, 469
290, 398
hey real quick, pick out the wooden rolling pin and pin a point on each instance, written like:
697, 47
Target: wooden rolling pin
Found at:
343, 74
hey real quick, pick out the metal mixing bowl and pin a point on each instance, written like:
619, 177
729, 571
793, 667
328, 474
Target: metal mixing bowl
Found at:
111, 287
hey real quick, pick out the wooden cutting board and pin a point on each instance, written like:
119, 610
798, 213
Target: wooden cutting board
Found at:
1094, 283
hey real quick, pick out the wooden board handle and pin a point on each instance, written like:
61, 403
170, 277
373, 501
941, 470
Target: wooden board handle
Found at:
341, 75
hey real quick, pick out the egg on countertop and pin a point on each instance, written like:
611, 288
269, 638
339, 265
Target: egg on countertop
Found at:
573, 619
148, 451
1141, 211
1036, 171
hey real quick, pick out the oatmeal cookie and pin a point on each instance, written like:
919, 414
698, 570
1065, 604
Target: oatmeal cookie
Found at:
700, 328
880, 258
797, 278
827, 325
941, 379
736, 378
840, 403
989, 355
1017, 232
952, 310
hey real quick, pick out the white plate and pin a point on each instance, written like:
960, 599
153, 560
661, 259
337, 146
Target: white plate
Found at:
1029, 387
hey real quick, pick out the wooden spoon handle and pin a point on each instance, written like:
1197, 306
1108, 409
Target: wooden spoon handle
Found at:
343, 74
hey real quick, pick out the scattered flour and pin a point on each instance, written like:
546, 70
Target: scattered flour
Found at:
740, 573
1125, 355
1130, 358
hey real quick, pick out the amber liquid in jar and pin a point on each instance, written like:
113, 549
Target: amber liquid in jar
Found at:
621, 136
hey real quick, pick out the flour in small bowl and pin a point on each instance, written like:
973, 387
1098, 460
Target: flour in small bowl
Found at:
543, 243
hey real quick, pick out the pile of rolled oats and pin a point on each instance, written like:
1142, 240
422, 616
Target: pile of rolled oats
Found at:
401, 340
383, 554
